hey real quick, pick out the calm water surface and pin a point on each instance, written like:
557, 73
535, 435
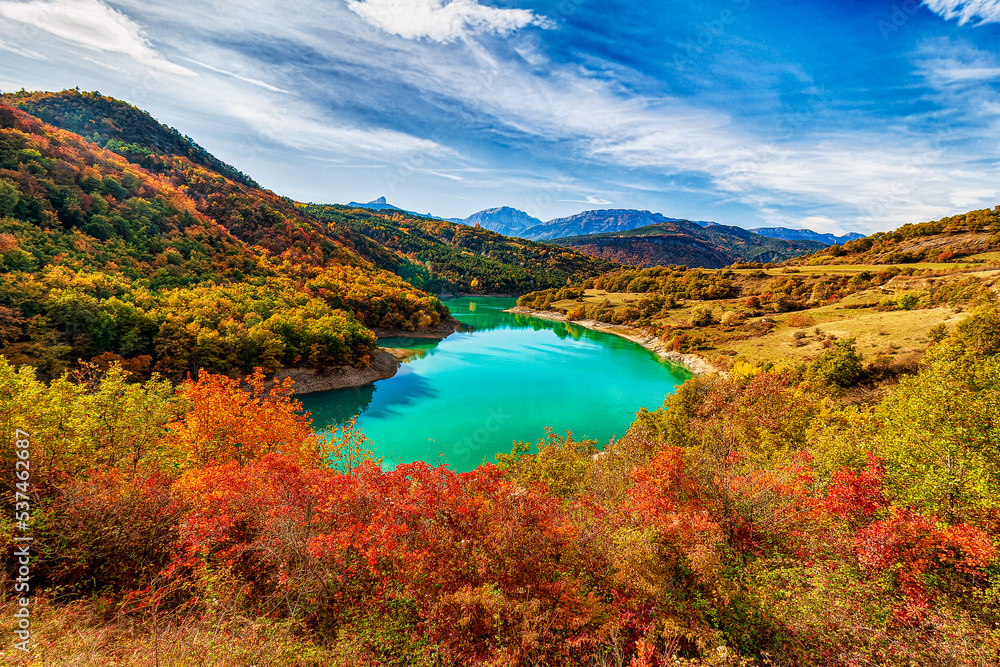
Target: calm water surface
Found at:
461, 400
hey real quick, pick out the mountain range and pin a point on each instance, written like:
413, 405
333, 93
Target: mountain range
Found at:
806, 235
644, 238
684, 242
513, 222
503, 220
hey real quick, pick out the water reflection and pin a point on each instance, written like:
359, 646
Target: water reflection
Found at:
480, 316
375, 400
416, 348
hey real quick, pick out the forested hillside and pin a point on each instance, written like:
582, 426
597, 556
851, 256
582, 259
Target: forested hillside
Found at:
683, 242
173, 267
456, 257
954, 237
117, 126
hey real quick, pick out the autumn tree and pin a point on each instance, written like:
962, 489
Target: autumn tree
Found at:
225, 422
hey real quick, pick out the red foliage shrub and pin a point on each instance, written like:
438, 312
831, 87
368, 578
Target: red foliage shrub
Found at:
911, 545
485, 561
857, 496
108, 530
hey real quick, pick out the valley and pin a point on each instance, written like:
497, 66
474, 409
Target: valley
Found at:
258, 431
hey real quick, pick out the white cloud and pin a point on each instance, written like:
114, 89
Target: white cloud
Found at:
978, 11
295, 128
91, 24
591, 200
240, 77
442, 20
948, 64
874, 179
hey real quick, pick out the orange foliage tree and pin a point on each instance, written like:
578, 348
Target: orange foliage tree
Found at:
227, 423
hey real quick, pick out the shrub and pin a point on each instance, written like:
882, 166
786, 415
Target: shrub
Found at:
938, 332
908, 300
799, 320
626, 315
731, 318
686, 342
839, 366
701, 316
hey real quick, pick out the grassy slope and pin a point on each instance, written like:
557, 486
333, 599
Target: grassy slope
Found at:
896, 333
960, 236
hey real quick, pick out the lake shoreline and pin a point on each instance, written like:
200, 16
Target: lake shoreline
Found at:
447, 327
385, 363
692, 362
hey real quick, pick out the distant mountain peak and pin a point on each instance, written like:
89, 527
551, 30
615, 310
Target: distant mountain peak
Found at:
376, 205
503, 220
595, 222
787, 234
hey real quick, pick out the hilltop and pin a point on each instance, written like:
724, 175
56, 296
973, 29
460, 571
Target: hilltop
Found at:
952, 238
122, 249
685, 242
119, 127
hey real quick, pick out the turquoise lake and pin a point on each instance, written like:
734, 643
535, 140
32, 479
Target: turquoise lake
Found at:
461, 400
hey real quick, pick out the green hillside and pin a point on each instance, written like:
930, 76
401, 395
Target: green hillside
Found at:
119, 127
949, 239
682, 242
438, 255
174, 267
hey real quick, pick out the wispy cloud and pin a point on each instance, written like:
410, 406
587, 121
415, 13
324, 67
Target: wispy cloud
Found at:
257, 82
93, 25
977, 11
946, 62
873, 179
591, 200
293, 127
442, 20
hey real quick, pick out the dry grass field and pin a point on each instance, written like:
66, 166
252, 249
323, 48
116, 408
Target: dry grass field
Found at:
801, 336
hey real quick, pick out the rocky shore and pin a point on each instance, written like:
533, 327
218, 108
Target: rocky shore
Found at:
693, 362
310, 381
447, 327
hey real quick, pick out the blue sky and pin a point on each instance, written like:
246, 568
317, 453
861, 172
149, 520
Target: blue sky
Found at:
839, 116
